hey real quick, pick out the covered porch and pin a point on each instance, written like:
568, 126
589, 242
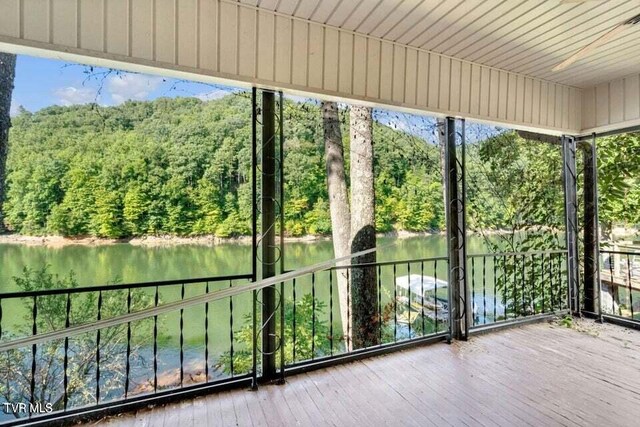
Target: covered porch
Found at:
434, 362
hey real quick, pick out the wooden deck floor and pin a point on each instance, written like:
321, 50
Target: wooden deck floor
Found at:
538, 375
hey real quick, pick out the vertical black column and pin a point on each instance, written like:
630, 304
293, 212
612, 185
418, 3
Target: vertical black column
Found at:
254, 232
268, 242
591, 238
571, 219
454, 205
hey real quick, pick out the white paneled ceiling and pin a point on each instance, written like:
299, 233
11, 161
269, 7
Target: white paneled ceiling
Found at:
524, 36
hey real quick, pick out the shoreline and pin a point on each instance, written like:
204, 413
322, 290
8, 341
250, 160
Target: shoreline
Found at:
168, 240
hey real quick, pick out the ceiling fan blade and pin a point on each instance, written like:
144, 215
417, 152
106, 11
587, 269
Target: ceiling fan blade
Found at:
596, 43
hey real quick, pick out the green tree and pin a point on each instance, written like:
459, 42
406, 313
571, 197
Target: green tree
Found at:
182, 166
618, 179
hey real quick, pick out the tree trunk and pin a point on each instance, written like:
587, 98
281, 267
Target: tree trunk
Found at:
338, 201
364, 290
7, 75
442, 143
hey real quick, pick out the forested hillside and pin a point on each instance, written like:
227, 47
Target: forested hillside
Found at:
182, 166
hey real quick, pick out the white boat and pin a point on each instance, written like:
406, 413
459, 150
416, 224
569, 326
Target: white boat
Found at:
418, 284
420, 293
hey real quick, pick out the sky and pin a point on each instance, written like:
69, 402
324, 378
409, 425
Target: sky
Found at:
43, 82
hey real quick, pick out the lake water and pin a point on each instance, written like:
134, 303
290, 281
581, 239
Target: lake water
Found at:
100, 265
125, 263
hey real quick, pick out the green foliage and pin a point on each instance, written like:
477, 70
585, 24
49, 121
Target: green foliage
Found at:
183, 167
618, 181
307, 345
566, 321
418, 203
318, 220
515, 186
50, 358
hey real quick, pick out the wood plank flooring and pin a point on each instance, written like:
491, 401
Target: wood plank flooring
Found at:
535, 375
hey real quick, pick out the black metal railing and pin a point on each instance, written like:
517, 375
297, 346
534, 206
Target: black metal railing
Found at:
191, 346
411, 303
620, 284
189, 341
506, 287
141, 341
120, 363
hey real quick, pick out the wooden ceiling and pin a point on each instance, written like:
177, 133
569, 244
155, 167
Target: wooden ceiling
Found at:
523, 36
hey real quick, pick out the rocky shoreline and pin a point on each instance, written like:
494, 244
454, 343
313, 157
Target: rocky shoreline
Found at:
164, 241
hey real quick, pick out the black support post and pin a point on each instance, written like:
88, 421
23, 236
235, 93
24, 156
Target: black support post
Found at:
254, 233
456, 234
571, 219
591, 238
268, 242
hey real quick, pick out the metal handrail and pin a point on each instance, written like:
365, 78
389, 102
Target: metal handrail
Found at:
176, 305
606, 251
122, 286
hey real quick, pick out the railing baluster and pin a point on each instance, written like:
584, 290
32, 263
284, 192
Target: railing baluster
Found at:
34, 350
542, 264
611, 284
563, 301
231, 355
505, 289
473, 289
629, 274
484, 289
524, 307
313, 316
380, 304
435, 293
282, 337
206, 335
495, 290
395, 306
182, 338
155, 343
98, 349
533, 284
66, 353
422, 296
128, 363
409, 299
348, 338
254, 349
295, 344
551, 284
557, 284
331, 308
